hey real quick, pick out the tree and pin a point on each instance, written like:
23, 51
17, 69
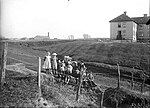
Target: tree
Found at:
86, 36
70, 37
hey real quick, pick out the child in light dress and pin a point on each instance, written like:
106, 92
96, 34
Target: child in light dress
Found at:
54, 63
47, 63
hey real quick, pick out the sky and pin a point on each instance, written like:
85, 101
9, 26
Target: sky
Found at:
61, 18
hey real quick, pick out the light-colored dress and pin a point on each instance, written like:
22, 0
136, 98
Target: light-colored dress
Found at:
47, 63
54, 62
63, 67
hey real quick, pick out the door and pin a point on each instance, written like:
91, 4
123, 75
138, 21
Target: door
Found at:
119, 36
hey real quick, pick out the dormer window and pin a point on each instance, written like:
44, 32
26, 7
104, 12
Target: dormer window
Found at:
119, 25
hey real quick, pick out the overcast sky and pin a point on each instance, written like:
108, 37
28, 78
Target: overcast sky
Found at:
28, 18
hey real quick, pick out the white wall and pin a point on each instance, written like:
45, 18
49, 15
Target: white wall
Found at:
131, 29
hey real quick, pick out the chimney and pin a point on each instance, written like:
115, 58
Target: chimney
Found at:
145, 15
48, 34
125, 13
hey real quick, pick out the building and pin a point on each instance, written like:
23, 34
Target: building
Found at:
41, 37
38, 37
125, 28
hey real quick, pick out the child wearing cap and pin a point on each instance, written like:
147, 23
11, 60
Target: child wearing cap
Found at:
54, 63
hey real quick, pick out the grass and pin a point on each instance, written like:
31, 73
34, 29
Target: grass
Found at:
91, 51
18, 93
126, 54
21, 90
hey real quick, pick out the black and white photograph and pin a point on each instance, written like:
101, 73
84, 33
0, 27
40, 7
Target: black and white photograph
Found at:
75, 53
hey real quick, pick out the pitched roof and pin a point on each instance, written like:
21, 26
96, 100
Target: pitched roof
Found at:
121, 18
141, 20
138, 20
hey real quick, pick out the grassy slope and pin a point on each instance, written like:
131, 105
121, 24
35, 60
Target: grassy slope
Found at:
87, 50
18, 93
126, 54
21, 90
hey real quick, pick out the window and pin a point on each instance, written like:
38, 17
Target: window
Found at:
123, 35
124, 31
148, 34
119, 25
148, 27
140, 26
124, 25
141, 34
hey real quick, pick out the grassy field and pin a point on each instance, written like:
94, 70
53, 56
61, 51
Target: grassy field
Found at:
126, 54
108, 53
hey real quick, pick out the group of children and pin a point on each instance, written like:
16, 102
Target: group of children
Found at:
52, 64
66, 66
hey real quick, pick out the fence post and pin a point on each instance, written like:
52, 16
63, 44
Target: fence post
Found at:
102, 97
118, 86
39, 76
3, 63
143, 84
79, 86
132, 82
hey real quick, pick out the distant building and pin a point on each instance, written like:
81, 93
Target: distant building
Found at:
125, 28
41, 37
24, 38
86, 36
70, 37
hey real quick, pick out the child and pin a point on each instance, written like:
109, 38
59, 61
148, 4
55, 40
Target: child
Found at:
54, 63
47, 63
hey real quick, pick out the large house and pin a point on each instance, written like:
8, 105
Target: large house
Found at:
125, 28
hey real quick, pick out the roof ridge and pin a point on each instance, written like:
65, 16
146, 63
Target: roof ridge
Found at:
141, 17
122, 17
141, 20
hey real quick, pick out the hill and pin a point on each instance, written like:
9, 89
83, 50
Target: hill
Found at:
91, 51
126, 54
104, 55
